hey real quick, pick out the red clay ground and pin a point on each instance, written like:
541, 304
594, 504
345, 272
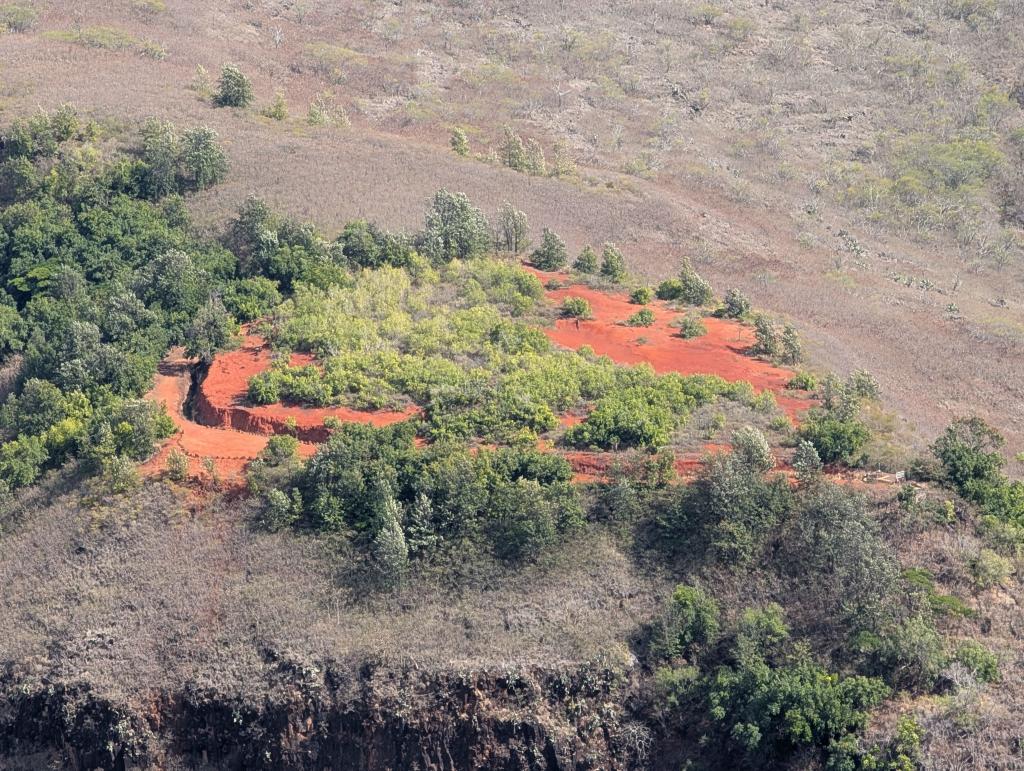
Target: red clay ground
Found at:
719, 352
232, 432
221, 399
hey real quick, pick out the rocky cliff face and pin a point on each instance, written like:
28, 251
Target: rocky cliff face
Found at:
333, 717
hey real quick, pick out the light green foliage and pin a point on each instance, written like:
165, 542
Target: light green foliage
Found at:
513, 152
988, 569
251, 298
550, 255
234, 89
613, 264
803, 381
454, 229
642, 318
981, 662
693, 290
277, 109
806, 462
17, 18
586, 262
535, 162
691, 326
776, 700
690, 622
576, 308
752, 449
177, 465
642, 295
212, 330
512, 232
390, 552
792, 348
735, 304
204, 162
459, 142
766, 337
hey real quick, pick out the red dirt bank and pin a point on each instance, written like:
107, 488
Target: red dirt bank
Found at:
221, 399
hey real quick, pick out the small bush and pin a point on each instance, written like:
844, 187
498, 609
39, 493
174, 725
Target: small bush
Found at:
17, 18
234, 89
586, 262
803, 381
642, 295
576, 307
613, 264
691, 326
642, 318
459, 142
177, 466
982, 663
550, 255
276, 110
735, 305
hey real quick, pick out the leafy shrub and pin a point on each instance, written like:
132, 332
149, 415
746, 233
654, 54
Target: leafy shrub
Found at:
586, 262
803, 381
642, 318
691, 326
177, 466
17, 18
981, 662
834, 437
752, 449
691, 621
251, 298
459, 142
613, 264
642, 295
454, 229
550, 255
735, 305
234, 89
277, 109
576, 307
693, 290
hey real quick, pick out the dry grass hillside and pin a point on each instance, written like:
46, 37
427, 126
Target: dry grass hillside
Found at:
852, 166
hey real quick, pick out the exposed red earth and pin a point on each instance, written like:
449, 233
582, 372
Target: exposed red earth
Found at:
720, 352
221, 399
224, 426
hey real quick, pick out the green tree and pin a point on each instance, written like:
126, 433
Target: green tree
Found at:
694, 290
277, 109
454, 229
736, 305
766, 337
535, 162
969, 452
752, 449
691, 621
161, 152
587, 261
806, 462
513, 153
576, 308
203, 159
234, 89
390, 551
613, 264
512, 229
551, 254
792, 348
212, 330
459, 142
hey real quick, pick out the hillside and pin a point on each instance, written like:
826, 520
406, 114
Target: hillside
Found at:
527, 386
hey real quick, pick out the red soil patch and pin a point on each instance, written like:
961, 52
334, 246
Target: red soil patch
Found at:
720, 352
221, 399
230, 450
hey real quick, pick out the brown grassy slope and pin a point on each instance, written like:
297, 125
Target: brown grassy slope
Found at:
737, 184
152, 592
